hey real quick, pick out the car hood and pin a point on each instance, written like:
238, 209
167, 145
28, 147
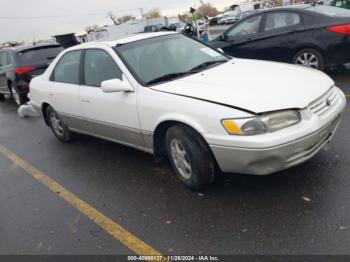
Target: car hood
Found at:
252, 85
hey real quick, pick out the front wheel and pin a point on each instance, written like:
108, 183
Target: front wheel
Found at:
310, 58
190, 157
2, 97
57, 126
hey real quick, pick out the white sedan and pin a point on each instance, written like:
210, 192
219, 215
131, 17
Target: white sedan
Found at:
171, 95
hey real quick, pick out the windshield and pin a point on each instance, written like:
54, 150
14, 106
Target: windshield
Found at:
167, 57
329, 10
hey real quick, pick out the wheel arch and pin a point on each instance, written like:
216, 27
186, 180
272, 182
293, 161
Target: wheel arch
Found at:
44, 107
159, 146
308, 46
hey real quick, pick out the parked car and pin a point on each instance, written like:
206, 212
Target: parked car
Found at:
229, 18
154, 28
316, 36
177, 27
173, 96
215, 20
19, 65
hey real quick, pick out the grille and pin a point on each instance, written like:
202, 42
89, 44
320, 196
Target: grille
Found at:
324, 104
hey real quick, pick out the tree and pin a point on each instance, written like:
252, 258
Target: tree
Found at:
207, 10
125, 18
155, 13
88, 29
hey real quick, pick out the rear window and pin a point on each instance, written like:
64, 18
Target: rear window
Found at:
38, 55
329, 10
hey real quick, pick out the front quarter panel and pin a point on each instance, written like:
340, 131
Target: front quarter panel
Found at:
156, 107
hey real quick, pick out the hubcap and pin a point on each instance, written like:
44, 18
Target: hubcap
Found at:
15, 96
180, 158
56, 124
308, 59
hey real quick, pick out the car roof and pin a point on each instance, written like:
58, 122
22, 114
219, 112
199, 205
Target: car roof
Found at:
124, 40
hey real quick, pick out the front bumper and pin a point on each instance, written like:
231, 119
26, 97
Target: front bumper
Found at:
270, 153
270, 160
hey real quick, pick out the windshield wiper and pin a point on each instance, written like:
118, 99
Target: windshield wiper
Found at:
207, 64
167, 77
196, 69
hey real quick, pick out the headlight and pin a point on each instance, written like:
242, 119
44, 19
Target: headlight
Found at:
261, 124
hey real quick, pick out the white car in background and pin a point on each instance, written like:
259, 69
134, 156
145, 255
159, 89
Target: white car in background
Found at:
170, 95
229, 18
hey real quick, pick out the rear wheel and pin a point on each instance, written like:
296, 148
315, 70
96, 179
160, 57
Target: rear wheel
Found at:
190, 157
310, 58
57, 126
19, 98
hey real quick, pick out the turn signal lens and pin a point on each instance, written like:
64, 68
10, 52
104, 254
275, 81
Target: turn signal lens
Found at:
232, 127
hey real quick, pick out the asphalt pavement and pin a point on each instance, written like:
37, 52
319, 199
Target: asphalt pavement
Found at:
303, 210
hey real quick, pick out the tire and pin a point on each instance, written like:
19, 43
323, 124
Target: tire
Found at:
309, 57
19, 98
57, 126
190, 157
2, 97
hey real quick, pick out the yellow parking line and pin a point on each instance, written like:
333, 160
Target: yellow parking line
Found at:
347, 95
118, 232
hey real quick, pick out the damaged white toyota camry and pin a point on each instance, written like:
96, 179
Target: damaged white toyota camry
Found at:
170, 95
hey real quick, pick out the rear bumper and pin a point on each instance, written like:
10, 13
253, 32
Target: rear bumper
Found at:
270, 160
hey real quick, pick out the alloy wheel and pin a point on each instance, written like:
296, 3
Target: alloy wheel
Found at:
181, 159
308, 59
56, 124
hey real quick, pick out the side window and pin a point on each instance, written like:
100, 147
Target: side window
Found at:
280, 20
248, 27
98, 67
67, 69
3, 59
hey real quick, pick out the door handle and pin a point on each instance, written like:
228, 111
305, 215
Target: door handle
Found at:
86, 101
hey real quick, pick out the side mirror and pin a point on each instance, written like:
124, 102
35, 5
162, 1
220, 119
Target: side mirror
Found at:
116, 85
220, 50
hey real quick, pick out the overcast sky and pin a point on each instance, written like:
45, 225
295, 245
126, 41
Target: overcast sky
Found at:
40, 19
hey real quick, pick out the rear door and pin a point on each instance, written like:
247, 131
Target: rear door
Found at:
241, 40
64, 89
281, 32
110, 115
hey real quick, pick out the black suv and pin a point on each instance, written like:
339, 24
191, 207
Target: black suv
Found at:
19, 65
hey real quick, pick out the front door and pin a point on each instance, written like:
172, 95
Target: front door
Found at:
109, 115
241, 40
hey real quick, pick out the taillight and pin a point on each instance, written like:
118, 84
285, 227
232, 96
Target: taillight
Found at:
25, 70
340, 29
